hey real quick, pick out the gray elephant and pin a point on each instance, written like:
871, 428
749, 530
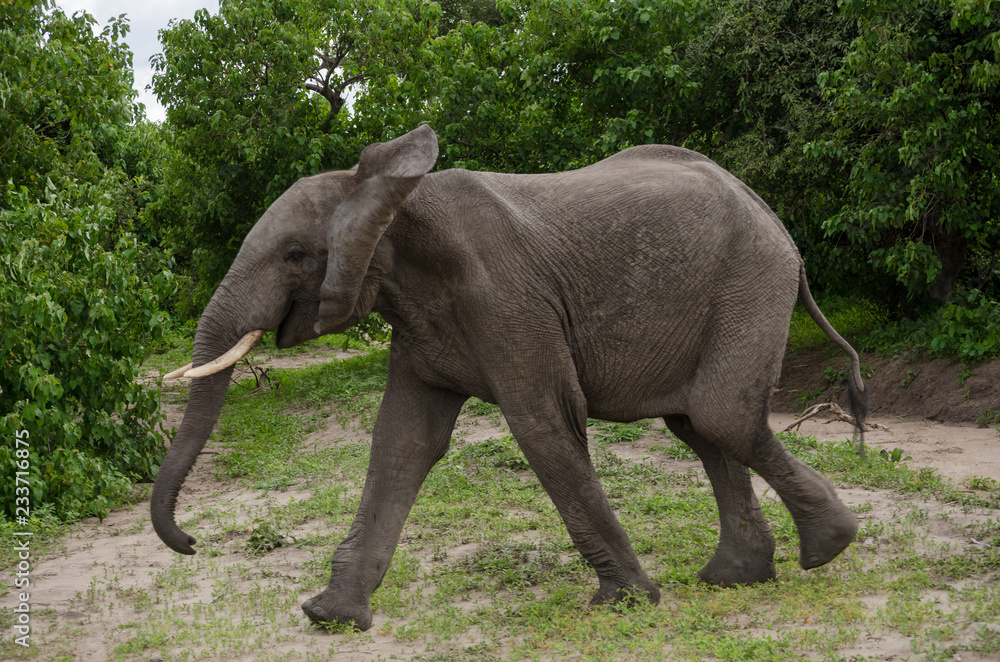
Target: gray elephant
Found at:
650, 284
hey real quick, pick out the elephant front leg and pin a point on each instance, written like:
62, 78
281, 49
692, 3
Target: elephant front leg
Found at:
412, 433
550, 428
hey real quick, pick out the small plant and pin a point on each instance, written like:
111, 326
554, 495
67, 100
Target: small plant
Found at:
500, 452
910, 376
676, 450
477, 406
265, 537
834, 376
895, 455
338, 628
490, 411
988, 417
981, 483
615, 433
808, 396
515, 564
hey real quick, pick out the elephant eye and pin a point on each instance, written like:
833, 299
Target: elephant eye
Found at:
295, 255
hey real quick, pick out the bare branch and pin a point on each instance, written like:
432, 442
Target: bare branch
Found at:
838, 415
350, 81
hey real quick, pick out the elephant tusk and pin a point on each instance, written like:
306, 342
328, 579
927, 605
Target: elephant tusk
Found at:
238, 351
177, 373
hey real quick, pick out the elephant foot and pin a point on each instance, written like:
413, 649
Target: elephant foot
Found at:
735, 570
327, 609
610, 593
822, 538
826, 526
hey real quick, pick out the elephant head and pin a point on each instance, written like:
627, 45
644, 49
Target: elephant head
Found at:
304, 270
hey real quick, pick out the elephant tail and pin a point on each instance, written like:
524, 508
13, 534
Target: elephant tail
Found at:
857, 393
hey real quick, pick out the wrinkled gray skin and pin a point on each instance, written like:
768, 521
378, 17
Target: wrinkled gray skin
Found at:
652, 283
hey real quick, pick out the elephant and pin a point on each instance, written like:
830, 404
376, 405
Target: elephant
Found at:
653, 283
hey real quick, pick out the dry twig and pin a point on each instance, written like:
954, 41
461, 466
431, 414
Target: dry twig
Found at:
838, 415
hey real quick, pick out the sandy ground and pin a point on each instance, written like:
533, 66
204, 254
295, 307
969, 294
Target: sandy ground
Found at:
956, 451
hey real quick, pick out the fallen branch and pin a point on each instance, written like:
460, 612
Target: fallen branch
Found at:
838, 415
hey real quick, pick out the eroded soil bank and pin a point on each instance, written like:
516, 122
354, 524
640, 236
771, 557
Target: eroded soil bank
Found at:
904, 388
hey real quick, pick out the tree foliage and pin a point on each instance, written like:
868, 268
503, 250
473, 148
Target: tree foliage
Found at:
79, 314
65, 94
914, 105
254, 96
867, 126
79, 292
559, 84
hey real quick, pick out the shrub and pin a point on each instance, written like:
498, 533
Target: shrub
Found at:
967, 328
76, 313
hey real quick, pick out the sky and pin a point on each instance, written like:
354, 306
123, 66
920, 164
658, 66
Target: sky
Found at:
145, 19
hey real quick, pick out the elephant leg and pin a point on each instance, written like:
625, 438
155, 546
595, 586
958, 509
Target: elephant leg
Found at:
745, 554
825, 525
728, 408
550, 428
412, 432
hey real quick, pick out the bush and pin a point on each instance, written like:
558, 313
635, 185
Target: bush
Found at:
78, 314
967, 328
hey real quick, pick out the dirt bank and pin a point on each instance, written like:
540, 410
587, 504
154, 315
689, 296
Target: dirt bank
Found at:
907, 388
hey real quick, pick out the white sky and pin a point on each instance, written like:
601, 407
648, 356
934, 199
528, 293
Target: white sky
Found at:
145, 19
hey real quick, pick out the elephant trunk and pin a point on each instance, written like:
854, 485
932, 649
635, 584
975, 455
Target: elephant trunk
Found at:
206, 397
207, 394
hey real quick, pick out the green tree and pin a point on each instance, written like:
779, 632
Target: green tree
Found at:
558, 83
65, 94
914, 107
78, 315
256, 98
79, 292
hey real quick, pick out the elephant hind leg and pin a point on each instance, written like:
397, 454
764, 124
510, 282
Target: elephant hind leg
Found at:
825, 525
745, 554
728, 408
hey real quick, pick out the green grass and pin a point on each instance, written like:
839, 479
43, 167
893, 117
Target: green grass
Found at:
45, 531
852, 319
263, 430
485, 569
607, 434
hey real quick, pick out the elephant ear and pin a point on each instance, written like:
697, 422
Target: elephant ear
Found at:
385, 175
